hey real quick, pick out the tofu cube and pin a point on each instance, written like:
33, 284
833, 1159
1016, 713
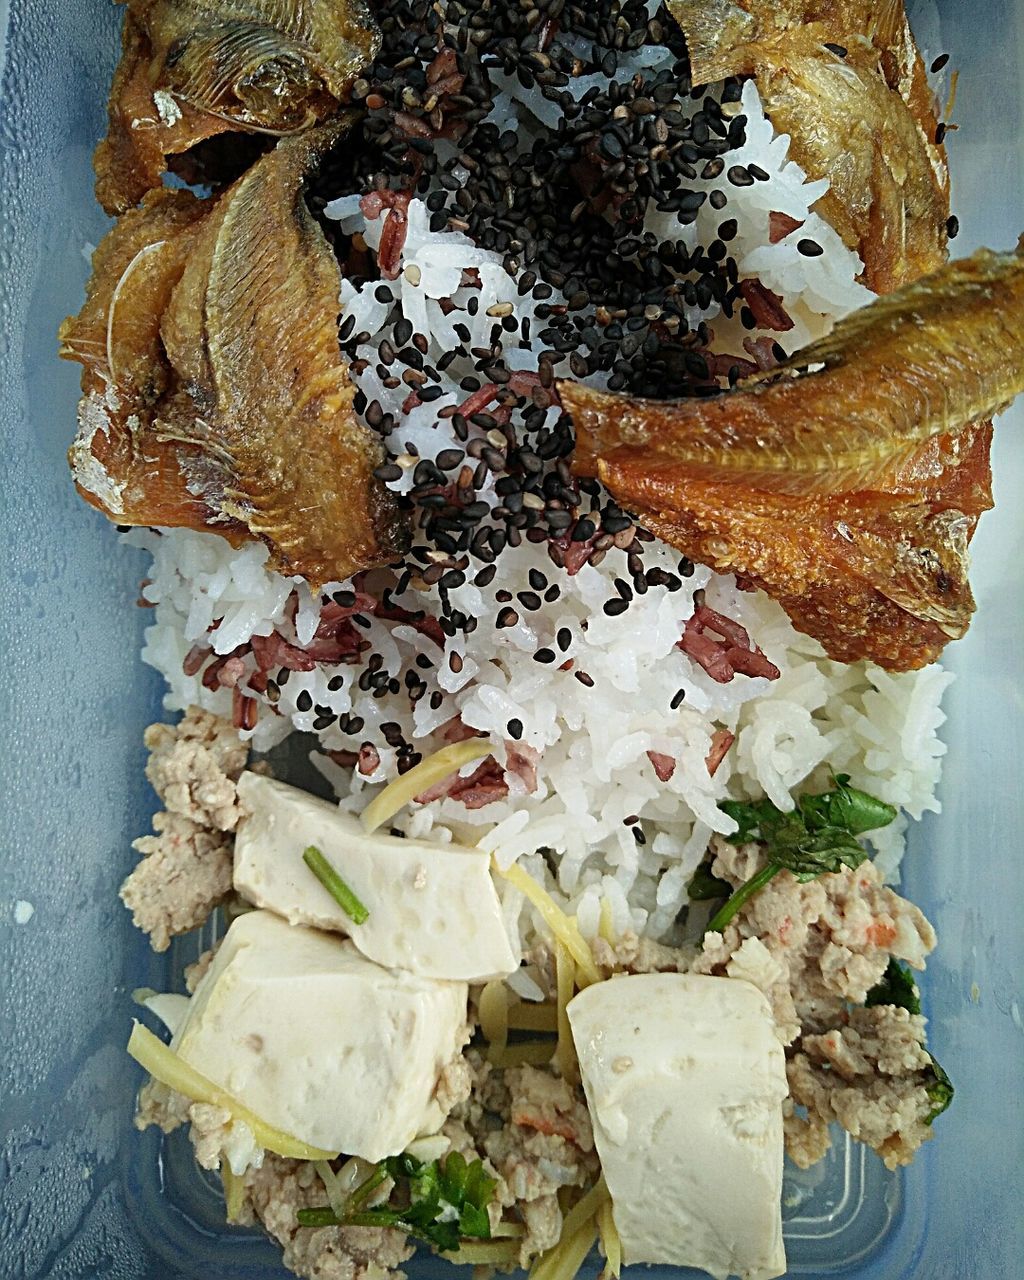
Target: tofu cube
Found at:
433, 908
321, 1042
685, 1079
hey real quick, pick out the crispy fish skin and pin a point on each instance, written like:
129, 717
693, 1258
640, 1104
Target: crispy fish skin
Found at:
193, 69
119, 467
223, 402
869, 575
252, 331
849, 412
848, 482
864, 120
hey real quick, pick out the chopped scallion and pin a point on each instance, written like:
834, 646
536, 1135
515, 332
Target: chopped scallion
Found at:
334, 885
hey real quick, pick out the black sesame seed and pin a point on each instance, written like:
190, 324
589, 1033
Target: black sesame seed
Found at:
529, 600
614, 607
940, 62
809, 248
563, 638
952, 226
677, 699
544, 655
514, 729
506, 618
584, 678
304, 701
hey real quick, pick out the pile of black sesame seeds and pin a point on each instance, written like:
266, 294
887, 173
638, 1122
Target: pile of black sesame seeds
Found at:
565, 207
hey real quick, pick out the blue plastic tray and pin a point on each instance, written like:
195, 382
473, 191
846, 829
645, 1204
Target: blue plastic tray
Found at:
82, 1195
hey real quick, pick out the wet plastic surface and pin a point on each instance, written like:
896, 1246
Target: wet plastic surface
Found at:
82, 1195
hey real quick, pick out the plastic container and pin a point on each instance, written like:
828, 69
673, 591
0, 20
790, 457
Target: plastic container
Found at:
82, 1194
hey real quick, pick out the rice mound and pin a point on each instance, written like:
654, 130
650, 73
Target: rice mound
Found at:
615, 828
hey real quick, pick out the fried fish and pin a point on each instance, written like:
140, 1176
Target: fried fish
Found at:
192, 69
848, 481
845, 80
215, 394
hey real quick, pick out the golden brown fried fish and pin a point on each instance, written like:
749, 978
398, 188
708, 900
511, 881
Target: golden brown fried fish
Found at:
847, 482
191, 69
845, 80
215, 392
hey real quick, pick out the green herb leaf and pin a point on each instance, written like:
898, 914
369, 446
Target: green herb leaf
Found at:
446, 1201
750, 816
940, 1091
819, 836
897, 987
334, 885
704, 885
845, 807
746, 891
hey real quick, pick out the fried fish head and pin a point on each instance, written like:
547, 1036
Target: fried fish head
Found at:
193, 69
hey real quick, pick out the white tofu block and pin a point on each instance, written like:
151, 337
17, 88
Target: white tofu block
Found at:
685, 1079
321, 1042
433, 908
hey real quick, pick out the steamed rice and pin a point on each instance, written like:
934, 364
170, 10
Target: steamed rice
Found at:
618, 833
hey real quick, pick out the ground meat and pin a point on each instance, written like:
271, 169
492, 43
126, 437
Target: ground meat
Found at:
633, 954
832, 937
532, 1130
194, 765
185, 873
870, 1075
194, 972
454, 1084
160, 1106
543, 1221
275, 1192
212, 1131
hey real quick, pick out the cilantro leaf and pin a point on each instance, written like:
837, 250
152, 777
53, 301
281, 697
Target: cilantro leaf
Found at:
750, 816
440, 1202
846, 808
940, 1091
704, 885
819, 836
897, 987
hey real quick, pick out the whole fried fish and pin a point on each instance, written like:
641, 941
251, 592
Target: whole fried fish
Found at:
215, 394
848, 481
845, 80
192, 69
